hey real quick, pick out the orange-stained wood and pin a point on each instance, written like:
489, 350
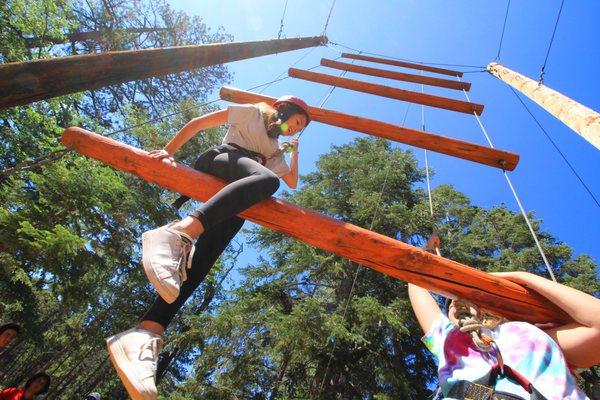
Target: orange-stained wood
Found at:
402, 64
364, 247
29, 81
441, 144
399, 76
388, 91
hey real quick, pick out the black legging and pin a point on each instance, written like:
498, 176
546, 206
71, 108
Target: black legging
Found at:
250, 184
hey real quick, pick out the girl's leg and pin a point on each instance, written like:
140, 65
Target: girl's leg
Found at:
209, 247
134, 353
249, 184
166, 250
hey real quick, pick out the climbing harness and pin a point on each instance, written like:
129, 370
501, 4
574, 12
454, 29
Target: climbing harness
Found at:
484, 388
471, 321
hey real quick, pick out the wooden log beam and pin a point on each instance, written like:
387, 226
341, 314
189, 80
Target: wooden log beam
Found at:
583, 120
399, 76
404, 64
26, 82
378, 252
430, 141
388, 91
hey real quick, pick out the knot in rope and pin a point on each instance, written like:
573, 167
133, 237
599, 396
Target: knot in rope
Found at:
470, 324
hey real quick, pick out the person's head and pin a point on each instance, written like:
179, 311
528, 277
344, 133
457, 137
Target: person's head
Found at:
36, 385
93, 396
290, 117
7, 333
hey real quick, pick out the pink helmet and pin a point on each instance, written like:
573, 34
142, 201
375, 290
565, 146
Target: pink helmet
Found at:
297, 101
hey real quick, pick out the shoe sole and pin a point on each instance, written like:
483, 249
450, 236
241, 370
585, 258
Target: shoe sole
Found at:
117, 355
163, 291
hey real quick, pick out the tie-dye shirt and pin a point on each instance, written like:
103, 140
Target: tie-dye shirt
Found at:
524, 347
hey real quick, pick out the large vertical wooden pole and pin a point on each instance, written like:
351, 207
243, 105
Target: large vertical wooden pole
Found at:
26, 82
583, 120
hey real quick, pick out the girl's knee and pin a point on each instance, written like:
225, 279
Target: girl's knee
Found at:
271, 183
265, 184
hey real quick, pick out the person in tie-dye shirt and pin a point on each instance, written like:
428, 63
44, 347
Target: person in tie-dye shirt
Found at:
542, 357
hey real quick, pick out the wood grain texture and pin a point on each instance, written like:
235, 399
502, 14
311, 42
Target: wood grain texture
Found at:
388, 91
581, 119
399, 76
362, 246
404, 64
26, 82
453, 147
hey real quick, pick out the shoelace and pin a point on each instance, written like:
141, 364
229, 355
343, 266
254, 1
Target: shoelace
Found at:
185, 260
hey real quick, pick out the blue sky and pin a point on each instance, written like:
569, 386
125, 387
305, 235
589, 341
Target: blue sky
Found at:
456, 32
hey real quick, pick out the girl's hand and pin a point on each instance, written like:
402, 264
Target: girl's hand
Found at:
520, 277
161, 154
295, 144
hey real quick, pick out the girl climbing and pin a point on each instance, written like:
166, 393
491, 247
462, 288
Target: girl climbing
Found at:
482, 356
252, 160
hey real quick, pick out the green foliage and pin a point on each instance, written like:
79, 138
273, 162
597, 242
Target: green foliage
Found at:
300, 323
69, 226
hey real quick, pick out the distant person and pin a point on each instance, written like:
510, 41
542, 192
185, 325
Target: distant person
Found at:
8, 333
36, 385
93, 396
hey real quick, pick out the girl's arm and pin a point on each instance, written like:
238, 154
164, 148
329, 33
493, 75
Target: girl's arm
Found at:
424, 305
579, 340
189, 130
291, 178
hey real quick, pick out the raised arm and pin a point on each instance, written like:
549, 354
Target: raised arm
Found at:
579, 340
190, 129
424, 305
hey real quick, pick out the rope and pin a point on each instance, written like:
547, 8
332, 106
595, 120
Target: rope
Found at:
471, 325
285, 72
514, 192
358, 267
325, 98
406, 59
328, 17
543, 70
556, 147
503, 29
282, 18
429, 194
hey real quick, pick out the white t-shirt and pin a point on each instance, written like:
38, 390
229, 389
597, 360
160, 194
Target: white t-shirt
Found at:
247, 129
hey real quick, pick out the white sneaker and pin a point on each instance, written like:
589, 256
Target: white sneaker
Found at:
167, 254
134, 354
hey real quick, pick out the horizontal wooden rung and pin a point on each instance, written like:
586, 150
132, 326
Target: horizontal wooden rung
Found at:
388, 91
378, 252
400, 76
438, 143
404, 64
